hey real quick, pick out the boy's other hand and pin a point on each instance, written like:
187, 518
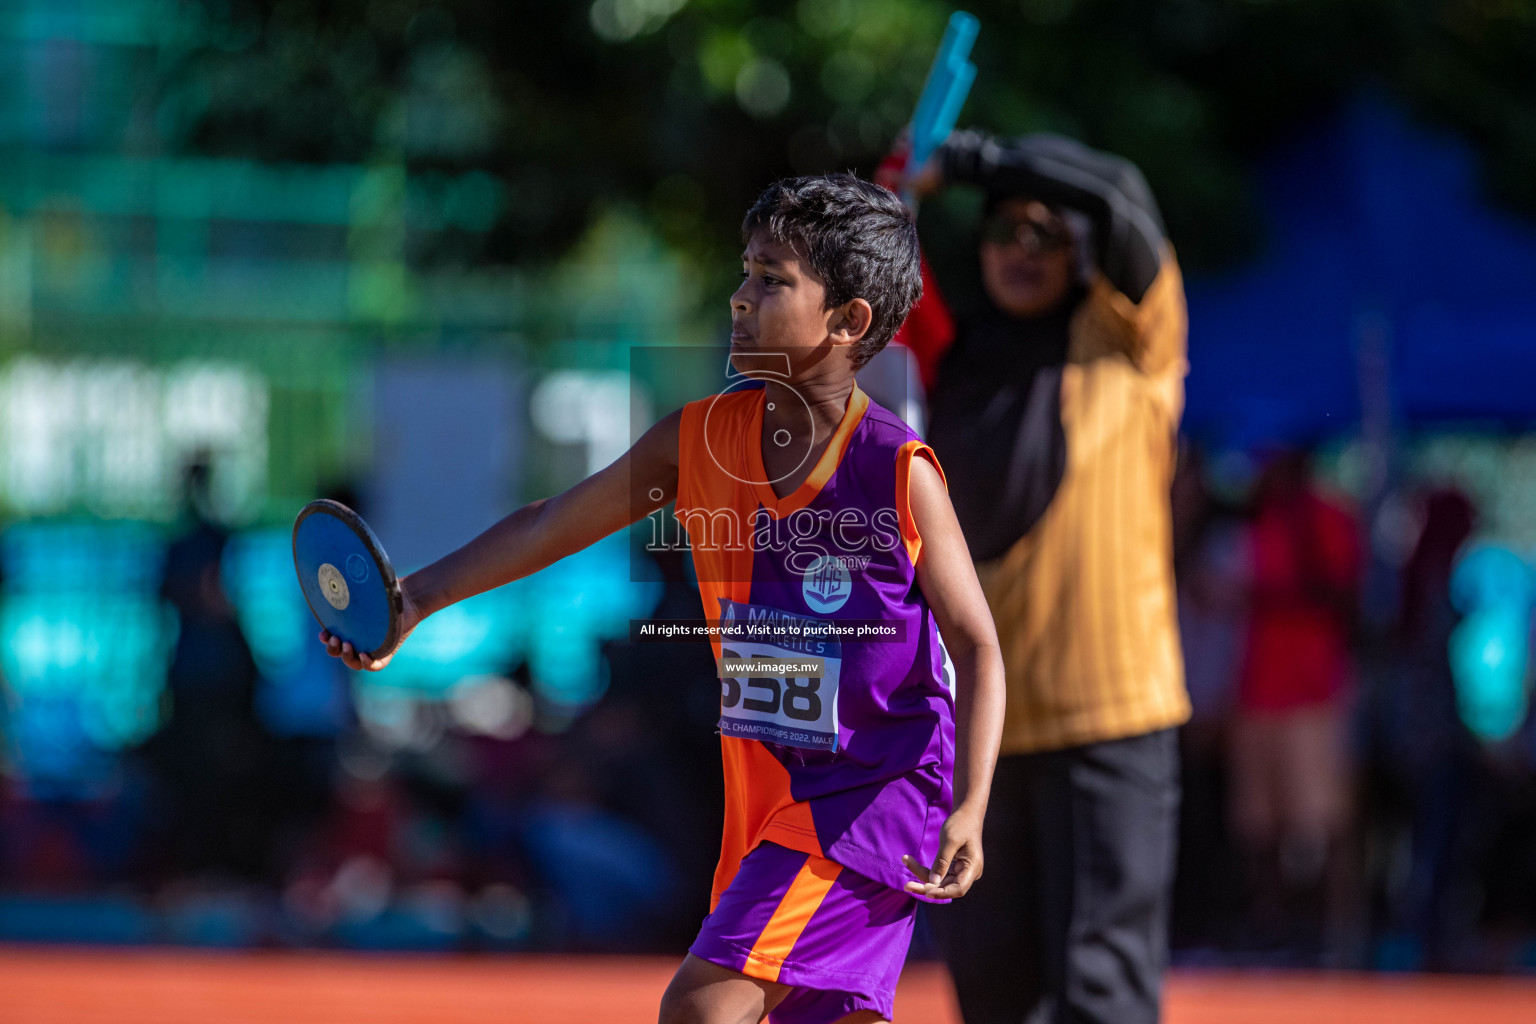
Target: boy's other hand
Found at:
958, 864
363, 661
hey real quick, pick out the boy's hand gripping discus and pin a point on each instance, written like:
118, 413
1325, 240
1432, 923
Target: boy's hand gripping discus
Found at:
346, 577
949, 82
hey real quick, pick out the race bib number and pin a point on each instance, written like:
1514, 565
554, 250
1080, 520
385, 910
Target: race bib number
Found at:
778, 678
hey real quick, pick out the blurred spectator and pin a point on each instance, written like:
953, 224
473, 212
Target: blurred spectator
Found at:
1427, 760
1210, 559
212, 755
1290, 796
612, 882
1211, 567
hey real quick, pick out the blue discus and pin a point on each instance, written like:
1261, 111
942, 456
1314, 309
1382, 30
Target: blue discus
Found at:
346, 577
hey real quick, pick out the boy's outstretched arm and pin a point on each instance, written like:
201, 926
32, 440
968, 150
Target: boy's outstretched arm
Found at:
948, 580
639, 482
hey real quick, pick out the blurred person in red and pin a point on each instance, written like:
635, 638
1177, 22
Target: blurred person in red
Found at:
1290, 775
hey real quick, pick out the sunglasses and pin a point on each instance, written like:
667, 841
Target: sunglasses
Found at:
1032, 235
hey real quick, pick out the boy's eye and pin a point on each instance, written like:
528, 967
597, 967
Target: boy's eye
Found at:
768, 279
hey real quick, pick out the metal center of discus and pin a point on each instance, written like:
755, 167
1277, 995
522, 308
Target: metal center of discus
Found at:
333, 587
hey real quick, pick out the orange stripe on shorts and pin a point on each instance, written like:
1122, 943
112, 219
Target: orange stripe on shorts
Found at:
784, 928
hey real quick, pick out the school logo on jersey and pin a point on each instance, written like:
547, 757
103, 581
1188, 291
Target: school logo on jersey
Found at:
826, 585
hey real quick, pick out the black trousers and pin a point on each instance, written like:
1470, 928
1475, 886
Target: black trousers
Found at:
1069, 922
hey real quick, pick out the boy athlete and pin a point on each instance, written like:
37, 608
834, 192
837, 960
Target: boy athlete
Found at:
859, 786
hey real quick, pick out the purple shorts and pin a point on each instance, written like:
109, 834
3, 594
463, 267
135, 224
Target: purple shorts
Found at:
837, 937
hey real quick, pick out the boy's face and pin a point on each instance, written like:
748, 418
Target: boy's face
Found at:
780, 308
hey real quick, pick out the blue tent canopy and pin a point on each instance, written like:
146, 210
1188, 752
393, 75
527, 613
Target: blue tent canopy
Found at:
1377, 225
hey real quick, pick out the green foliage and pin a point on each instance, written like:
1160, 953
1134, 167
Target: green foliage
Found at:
685, 110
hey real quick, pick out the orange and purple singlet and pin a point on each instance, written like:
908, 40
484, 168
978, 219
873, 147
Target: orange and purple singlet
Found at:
833, 773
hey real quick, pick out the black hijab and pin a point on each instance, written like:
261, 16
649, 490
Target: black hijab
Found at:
996, 423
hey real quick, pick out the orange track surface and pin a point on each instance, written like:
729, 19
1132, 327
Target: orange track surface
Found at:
175, 987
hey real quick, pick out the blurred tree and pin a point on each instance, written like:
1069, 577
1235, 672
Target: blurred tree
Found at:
685, 109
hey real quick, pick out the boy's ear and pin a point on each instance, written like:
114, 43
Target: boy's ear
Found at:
850, 321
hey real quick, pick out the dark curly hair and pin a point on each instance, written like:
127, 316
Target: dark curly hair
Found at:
860, 238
